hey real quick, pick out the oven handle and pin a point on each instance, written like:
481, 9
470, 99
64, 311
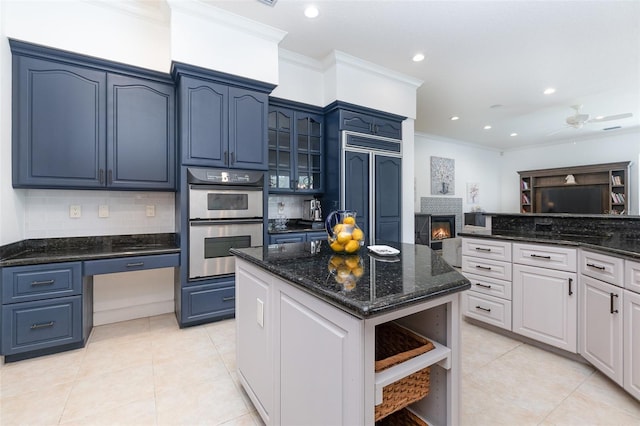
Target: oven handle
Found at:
219, 222
224, 187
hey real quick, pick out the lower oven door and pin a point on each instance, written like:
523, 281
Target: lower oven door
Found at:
210, 241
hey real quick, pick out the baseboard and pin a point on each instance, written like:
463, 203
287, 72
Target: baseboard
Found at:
133, 312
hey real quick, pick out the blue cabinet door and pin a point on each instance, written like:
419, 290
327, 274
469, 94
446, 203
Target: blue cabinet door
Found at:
387, 128
388, 198
140, 134
293, 237
370, 125
356, 187
248, 111
204, 117
207, 301
281, 153
309, 152
59, 124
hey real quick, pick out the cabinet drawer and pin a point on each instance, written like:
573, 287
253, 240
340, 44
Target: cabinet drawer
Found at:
487, 249
37, 325
632, 275
490, 286
127, 264
487, 268
489, 309
35, 282
551, 257
602, 267
207, 301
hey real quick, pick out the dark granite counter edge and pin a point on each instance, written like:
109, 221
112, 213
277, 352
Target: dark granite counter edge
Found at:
453, 286
56, 250
557, 241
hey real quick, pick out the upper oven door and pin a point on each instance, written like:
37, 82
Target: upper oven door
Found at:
212, 202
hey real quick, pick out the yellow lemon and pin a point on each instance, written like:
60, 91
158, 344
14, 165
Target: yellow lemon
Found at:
337, 228
331, 268
352, 246
357, 234
357, 271
352, 261
344, 237
336, 260
336, 246
349, 220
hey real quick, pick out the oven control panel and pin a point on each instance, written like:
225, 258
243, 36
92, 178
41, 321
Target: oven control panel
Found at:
225, 177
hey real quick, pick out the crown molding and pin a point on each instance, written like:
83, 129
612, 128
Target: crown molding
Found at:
300, 60
154, 11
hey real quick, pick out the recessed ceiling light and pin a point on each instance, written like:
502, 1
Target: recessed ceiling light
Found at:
418, 57
513, 134
600, 117
311, 12
487, 127
549, 91
454, 118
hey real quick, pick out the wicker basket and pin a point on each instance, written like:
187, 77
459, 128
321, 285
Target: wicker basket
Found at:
402, 417
395, 344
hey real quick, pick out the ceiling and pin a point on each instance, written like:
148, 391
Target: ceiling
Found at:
487, 62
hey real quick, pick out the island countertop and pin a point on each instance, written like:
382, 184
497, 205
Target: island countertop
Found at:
384, 284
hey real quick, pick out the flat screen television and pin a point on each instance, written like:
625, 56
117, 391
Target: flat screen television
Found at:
572, 199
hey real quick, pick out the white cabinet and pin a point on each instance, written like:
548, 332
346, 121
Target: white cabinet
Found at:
601, 326
602, 267
631, 308
551, 257
303, 361
487, 264
545, 306
632, 276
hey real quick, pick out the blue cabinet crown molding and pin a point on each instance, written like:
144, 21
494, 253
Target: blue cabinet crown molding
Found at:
336, 105
298, 106
23, 48
179, 68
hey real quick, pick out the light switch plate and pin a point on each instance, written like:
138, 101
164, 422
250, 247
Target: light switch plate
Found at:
103, 211
75, 211
151, 211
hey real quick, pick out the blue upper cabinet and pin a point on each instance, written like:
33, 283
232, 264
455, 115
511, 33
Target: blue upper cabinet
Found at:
296, 147
222, 119
81, 122
367, 121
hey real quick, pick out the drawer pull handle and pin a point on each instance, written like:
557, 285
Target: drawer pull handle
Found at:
486, 268
570, 290
591, 265
228, 299
483, 285
42, 325
47, 282
537, 256
483, 249
613, 311
483, 309
133, 265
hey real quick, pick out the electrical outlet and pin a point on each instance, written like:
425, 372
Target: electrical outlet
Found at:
103, 211
75, 211
151, 211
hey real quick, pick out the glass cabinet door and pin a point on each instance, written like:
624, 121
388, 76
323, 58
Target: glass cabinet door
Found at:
309, 152
280, 148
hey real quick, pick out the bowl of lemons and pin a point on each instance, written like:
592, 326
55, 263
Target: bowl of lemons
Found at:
342, 232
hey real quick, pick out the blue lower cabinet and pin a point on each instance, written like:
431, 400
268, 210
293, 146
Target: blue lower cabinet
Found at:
317, 236
31, 326
206, 302
287, 238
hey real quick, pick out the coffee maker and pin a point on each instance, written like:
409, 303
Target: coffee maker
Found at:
312, 210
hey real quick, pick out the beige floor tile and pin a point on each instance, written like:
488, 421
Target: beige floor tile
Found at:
581, 410
41, 407
181, 344
481, 407
125, 330
39, 373
108, 392
203, 403
163, 323
138, 413
481, 346
600, 388
245, 420
222, 332
109, 356
186, 372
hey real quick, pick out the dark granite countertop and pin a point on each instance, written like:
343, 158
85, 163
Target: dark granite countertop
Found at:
53, 250
297, 225
612, 243
385, 284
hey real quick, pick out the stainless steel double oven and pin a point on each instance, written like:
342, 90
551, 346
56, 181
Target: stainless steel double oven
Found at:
226, 210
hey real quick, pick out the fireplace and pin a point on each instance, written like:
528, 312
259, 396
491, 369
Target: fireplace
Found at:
432, 229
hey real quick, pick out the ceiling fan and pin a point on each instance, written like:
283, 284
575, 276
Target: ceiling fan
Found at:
577, 121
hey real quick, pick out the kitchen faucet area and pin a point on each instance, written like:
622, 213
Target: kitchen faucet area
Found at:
236, 213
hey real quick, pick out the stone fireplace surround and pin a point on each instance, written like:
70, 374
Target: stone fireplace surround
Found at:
441, 206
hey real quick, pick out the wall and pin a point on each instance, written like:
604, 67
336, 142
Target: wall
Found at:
473, 164
615, 147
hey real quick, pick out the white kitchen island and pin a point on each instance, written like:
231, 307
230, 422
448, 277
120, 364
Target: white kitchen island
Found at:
306, 343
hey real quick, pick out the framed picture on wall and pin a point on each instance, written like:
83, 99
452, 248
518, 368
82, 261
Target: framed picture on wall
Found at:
443, 176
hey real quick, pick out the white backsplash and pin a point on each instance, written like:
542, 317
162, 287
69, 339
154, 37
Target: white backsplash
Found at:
288, 206
47, 213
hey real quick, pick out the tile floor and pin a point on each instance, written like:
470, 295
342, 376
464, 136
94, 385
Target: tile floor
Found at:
149, 372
